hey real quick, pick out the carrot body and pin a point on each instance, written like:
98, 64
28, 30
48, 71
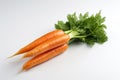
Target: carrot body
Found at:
39, 41
49, 44
44, 57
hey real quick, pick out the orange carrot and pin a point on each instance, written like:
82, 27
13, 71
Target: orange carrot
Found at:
39, 41
49, 44
44, 57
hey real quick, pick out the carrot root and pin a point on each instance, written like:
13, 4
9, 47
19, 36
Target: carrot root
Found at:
38, 41
48, 45
44, 57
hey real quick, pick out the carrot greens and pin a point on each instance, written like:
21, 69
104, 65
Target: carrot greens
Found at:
84, 28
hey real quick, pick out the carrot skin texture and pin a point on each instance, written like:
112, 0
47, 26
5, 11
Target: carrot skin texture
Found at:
49, 44
44, 57
39, 41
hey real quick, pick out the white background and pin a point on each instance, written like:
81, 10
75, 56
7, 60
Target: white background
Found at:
22, 21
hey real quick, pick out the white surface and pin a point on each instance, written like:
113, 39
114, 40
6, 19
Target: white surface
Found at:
22, 21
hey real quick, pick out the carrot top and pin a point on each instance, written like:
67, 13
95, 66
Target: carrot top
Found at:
84, 28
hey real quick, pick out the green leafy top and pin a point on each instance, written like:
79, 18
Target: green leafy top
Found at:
84, 28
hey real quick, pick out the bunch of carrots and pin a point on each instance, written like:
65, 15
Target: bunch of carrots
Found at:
87, 29
44, 48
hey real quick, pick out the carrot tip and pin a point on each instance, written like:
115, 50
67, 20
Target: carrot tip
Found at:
12, 56
21, 71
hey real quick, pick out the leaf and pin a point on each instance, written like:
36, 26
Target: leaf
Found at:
85, 28
61, 25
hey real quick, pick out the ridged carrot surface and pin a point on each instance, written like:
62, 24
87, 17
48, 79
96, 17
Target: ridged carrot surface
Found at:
44, 57
49, 44
39, 41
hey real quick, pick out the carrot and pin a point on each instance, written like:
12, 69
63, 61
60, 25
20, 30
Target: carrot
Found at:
39, 41
44, 57
49, 44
